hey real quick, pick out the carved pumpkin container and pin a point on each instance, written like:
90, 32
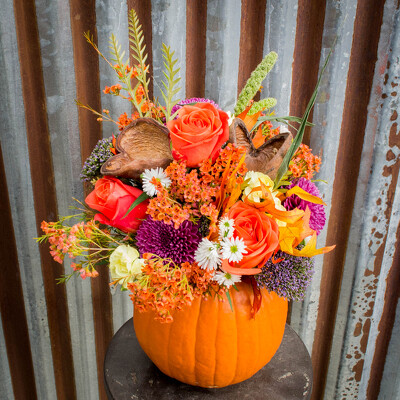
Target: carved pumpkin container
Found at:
208, 344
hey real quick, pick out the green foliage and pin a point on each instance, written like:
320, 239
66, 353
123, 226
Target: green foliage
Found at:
142, 197
262, 105
282, 120
254, 82
171, 80
299, 137
136, 39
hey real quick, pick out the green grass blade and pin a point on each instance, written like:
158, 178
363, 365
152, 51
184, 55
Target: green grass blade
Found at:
299, 137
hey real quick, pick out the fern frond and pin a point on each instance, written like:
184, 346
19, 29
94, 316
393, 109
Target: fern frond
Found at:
123, 76
90, 39
171, 80
136, 38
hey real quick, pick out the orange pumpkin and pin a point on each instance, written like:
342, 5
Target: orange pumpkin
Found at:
210, 345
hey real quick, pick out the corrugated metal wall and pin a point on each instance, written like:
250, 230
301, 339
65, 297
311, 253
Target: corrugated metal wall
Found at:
52, 337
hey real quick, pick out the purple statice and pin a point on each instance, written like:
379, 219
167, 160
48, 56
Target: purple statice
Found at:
289, 277
165, 241
193, 100
100, 154
317, 212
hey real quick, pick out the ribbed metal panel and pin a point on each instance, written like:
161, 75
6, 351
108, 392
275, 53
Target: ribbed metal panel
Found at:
16, 160
222, 52
5, 376
350, 319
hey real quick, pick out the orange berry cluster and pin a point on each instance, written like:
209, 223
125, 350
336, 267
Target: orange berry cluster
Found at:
201, 280
304, 164
162, 288
188, 196
225, 165
267, 130
128, 69
163, 208
114, 89
165, 287
65, 240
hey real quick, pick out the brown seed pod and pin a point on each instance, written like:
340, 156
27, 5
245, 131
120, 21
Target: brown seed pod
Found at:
268, 157
143, 144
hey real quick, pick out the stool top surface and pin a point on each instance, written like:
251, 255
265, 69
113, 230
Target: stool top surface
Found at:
130, 374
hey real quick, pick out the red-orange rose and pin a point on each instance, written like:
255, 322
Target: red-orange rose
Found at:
259, 233
113, 198
199, 132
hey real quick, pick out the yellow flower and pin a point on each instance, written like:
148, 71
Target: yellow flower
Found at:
254, 181
125, 264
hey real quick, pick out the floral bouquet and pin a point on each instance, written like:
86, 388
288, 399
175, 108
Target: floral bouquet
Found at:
206, 217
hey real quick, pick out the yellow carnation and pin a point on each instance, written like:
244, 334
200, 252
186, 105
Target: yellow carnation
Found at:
125, 264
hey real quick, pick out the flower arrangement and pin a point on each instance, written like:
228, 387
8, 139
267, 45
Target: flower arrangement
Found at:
188, 199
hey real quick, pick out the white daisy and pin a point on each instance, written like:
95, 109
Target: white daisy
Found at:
225, 278
148, 175
207, 255
226, 228
233, 249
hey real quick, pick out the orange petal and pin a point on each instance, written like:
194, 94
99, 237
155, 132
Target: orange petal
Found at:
238, 271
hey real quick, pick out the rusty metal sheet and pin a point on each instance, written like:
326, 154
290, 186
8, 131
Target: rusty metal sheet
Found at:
376, 216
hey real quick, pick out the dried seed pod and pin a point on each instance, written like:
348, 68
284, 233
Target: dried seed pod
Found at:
143, 144
268, 157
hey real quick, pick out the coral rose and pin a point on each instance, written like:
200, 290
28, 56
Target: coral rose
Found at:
113, 198
199, 132
259, 233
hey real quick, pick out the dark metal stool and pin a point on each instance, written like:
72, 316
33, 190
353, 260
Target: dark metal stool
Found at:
129, 374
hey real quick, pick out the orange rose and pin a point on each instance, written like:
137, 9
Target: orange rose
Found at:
199, 132
259, 233
113, 198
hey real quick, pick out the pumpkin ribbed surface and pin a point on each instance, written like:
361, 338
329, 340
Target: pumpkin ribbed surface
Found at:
210, 345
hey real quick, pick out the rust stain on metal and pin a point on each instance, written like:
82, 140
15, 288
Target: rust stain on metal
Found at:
252, 28
394, 136
86, 64
392, 295
196, 28
365, 329
12, 308
357, 369
306, 58
357, 330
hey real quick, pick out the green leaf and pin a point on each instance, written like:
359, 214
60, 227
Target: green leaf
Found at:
139, 200
299, 137
229, 299
136, 39
283, 120
170, 84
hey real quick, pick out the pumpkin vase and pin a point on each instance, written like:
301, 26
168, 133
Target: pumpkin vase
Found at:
210, 345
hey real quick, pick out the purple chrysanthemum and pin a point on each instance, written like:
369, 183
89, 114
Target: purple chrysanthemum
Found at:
288, 278
317, 217
165, 241
193, 100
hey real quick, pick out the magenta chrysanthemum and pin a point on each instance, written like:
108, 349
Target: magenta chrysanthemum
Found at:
193, 100
165, 241
317, 217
